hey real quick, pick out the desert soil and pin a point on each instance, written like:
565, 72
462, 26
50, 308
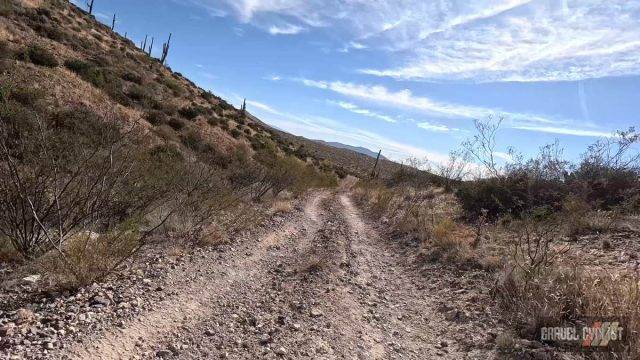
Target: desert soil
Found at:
318, 283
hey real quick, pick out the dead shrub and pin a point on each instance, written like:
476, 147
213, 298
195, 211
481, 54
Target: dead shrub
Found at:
76, 173
88, 257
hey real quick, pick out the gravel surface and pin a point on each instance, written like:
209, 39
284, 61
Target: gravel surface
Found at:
317, 283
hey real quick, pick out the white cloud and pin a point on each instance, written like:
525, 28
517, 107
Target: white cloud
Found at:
364, 112
480, 40
353, 45
273, 78
540, 41
566, 131
434, 127
405, 99
287, 29
263, 107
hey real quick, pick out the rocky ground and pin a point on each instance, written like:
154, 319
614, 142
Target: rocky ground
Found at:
318, 283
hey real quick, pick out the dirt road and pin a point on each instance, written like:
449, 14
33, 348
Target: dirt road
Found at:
321, 285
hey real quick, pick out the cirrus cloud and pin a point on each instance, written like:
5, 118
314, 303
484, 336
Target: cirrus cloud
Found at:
480, 40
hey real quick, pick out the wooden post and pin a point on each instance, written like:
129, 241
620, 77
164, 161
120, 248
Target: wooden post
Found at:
373, 172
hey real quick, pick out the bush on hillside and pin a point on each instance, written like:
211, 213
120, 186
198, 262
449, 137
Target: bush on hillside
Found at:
191, 112
40, 56
156, 118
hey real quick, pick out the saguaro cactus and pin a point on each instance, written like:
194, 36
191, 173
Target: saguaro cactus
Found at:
165, 50
151, 46
90, 5
113, 22
144, 44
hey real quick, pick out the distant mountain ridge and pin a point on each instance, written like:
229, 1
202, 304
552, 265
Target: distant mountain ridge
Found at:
358, 149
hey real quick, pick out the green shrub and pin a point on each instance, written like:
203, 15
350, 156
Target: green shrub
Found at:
191, 112
6, 8
167, 152
207, 95
156, 118
176, 124
194, 141
40, 56
51, 32
213, 121
132, 77
5, 50
77, 66
236, 133
138, 93
26, 96
173, 85
604, 187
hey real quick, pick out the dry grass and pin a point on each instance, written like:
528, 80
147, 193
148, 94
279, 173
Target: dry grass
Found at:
281, 207
563, 294
87, 258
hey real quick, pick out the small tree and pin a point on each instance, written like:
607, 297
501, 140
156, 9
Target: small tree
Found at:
483, 145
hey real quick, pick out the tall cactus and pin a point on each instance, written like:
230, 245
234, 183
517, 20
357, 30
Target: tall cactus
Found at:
243, 109
151, 46
113, 23
144, 44
165, 50
90, 5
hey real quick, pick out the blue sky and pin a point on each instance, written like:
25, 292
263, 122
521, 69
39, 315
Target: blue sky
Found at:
409, 76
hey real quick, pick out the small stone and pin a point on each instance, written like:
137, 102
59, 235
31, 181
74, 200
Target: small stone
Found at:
99, 301
315, 312
209, 332
265, 339
281, 351
31, 279
164, 353
444, 344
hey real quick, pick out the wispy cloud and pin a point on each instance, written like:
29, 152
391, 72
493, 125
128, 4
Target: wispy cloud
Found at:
353, 45
434, 127
287, 29
263, 107
273, 77
315, 127
480, 40
542, 41
566, 131
405, 99
364, 112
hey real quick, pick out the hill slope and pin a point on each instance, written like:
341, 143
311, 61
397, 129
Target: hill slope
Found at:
75, 60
